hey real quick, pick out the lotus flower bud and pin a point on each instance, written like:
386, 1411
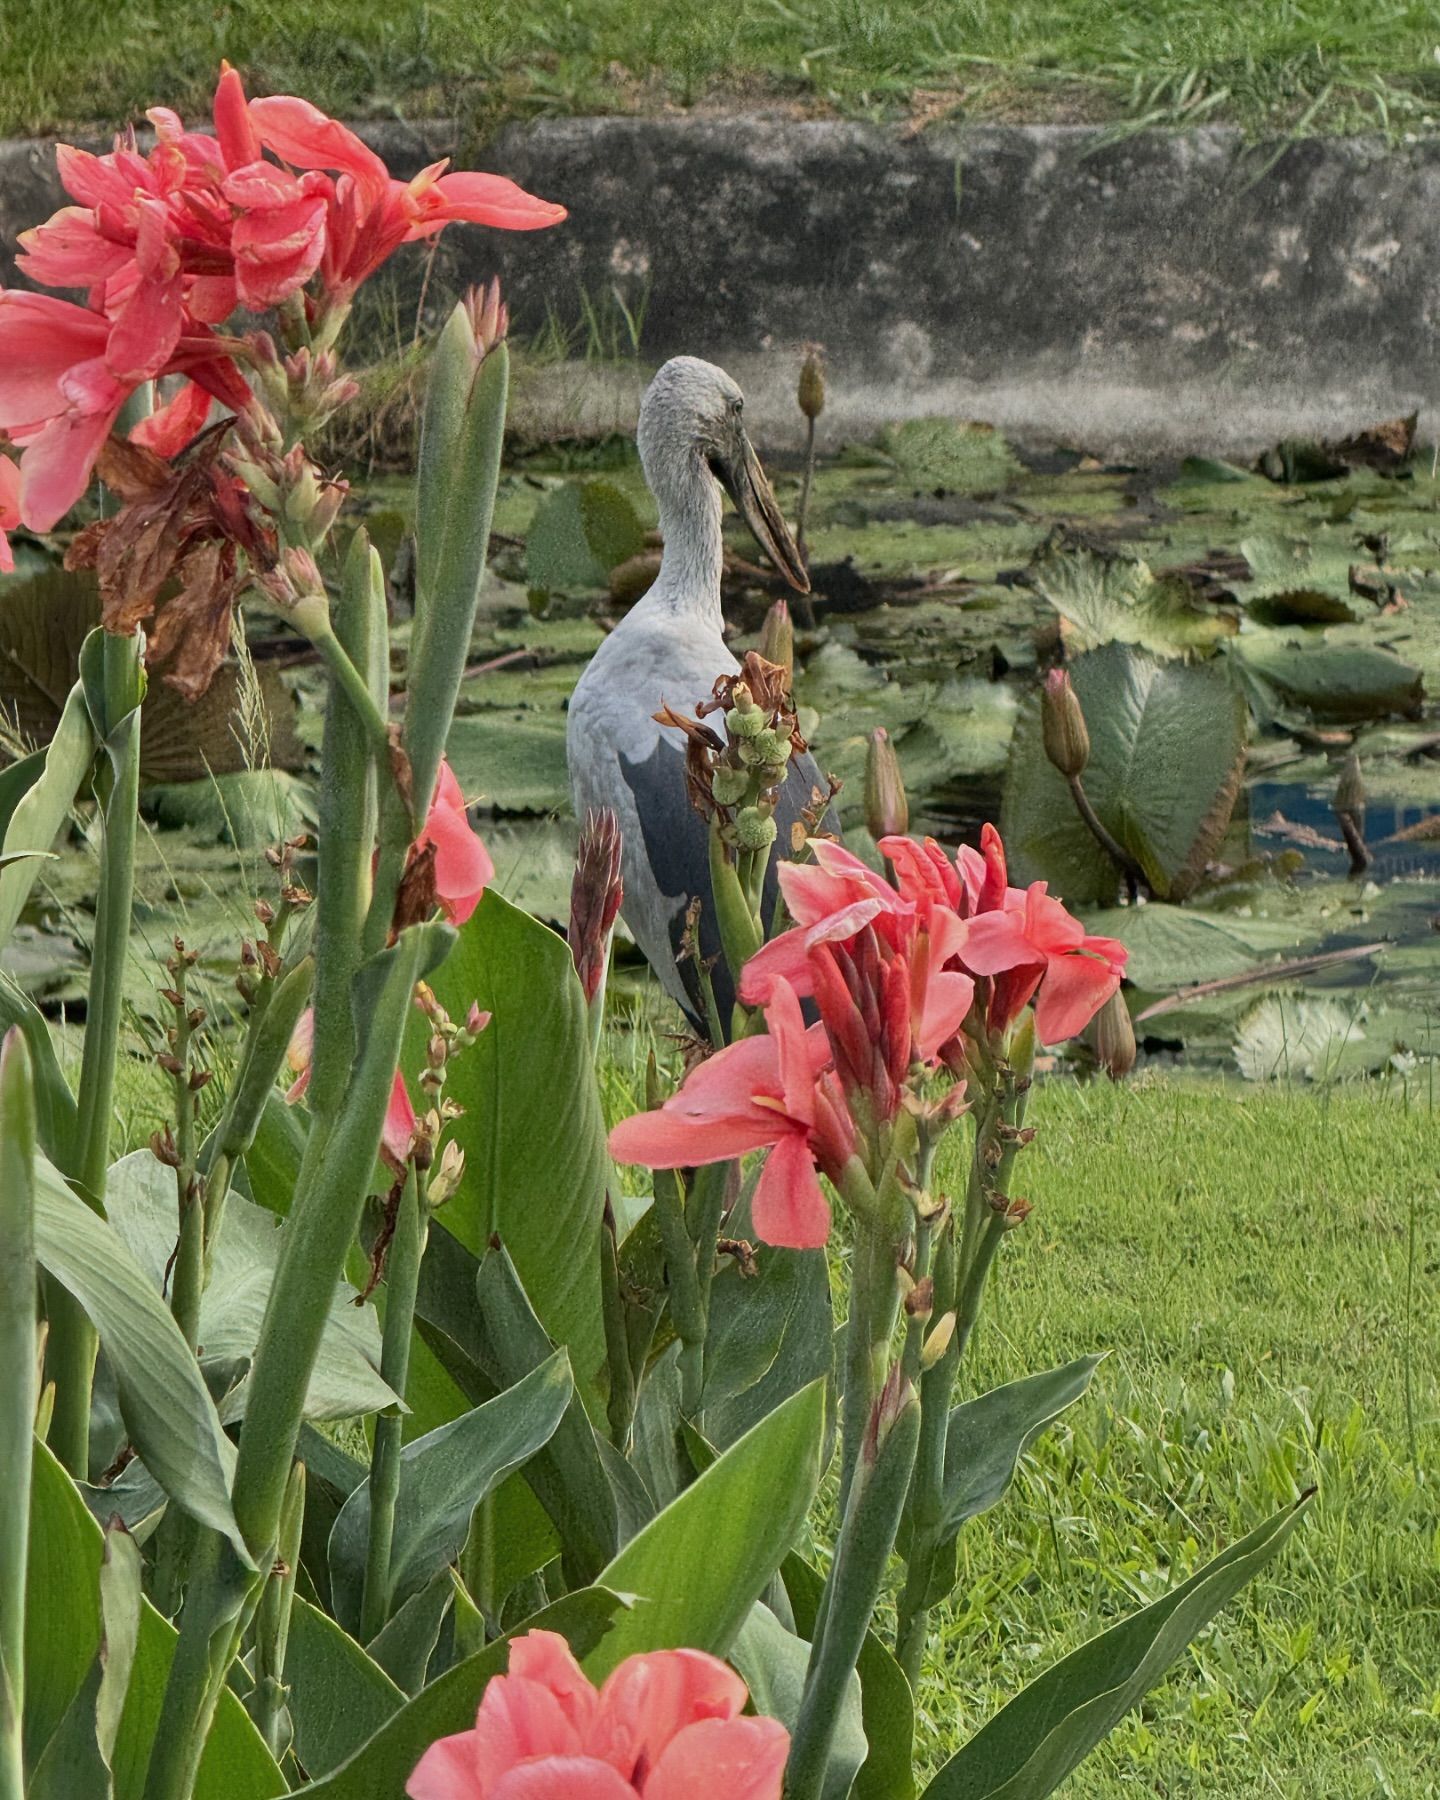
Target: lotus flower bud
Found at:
777, 639
1062, 726
887, 810
810, 395
595, 895
1113, 1037
1350, 790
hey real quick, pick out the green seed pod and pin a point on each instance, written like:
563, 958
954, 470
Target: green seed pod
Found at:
729, 786
754, 830
747, 724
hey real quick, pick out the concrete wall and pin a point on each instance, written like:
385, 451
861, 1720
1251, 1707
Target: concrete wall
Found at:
1165, 291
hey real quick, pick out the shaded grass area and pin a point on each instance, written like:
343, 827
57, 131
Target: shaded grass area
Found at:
1246, 1257
1286, 65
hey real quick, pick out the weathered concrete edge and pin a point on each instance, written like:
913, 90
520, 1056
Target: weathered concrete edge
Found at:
1165, 292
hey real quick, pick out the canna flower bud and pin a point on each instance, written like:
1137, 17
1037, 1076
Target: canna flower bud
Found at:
1062, 726
810, 394
938, 1341
488, 316
595, 896
887, 810
1112, 1037
777, 639
447, 1174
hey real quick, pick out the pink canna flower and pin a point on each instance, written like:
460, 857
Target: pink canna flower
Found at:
399, 1132
666, 1726
1038, 945
369, 212
9, 509
463, 869
772, 1090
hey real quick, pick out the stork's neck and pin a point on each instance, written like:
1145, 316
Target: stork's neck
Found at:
688, 584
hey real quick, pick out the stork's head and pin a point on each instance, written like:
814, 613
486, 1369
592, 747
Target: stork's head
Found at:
692, 433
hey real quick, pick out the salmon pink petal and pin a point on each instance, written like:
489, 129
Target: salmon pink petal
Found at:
994, 891
789, 1209
448, 1771
90, 179
948, 997
674, 1140
650, 1698
146, 330
1047, 924
481, 200
545, 1657
172, 426
9, 509
68, 251
794, 1062
7, 555
732, 1759
303, 136
562, 1778
56, 464
41, 339
519, 1719
463, 869
399, 1130
995, 941
784, 958
234, 128
1074, 989
212, 299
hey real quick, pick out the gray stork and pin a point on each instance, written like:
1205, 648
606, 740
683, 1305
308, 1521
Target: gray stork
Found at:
669, 650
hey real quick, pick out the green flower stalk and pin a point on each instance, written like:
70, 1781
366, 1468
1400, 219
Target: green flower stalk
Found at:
18, 1391
268, 1700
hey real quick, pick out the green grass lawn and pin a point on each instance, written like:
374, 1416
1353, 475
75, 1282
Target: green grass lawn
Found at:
1276, 66
1245, 1255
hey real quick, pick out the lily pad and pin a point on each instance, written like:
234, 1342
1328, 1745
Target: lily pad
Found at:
1167, 751
941, 453
1332, 682
1117, 600
579, 533
1291, 1037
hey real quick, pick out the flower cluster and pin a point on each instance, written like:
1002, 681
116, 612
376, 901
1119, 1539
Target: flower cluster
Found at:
666, 1726
281, 207
931, 971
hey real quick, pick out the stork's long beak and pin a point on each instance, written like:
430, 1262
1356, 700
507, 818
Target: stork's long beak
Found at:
749, 487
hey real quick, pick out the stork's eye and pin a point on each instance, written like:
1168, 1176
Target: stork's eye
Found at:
737, 407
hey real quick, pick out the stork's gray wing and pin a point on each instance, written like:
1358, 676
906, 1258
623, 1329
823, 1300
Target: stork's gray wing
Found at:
677, 852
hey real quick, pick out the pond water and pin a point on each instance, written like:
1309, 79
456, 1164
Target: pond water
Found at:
950, 569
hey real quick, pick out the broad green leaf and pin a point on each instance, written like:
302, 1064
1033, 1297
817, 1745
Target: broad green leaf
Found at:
443, 1478
78, 1759
380, 1768
567, 1476
1116, 600
773, 1662
1033, 1743
887, 1708
533, 1134
1167, 751
272, 1163
1330, 681
404, 1647
19, 1383
698, 1567
338, 1695
62, 1637
55, 1110
986, 1437
140, 1201
165, 1404
770, 1335
580, 532
40, 813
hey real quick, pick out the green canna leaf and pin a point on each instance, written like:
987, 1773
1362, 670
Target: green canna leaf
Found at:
338, 1697
699, 1566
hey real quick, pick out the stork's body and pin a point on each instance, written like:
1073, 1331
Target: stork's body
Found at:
669, 650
